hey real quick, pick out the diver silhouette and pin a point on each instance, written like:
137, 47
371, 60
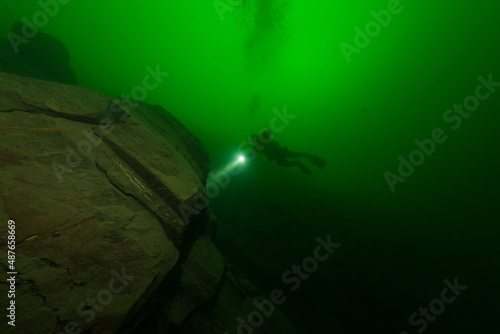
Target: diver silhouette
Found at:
264, 144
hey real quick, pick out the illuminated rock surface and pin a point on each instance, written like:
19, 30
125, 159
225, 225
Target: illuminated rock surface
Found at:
102, 245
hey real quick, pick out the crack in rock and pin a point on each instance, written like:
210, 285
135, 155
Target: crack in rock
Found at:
57, 114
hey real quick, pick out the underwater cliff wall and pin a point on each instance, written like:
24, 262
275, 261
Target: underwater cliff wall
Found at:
96, 187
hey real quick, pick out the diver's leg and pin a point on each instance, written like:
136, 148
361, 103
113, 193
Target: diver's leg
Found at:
303, 167
284, 162
290, 163
317, 161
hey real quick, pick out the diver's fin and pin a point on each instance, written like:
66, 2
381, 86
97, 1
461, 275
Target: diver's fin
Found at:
318, 162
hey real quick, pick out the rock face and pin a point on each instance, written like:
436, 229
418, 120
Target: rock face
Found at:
42, 56
93, 202
95, 186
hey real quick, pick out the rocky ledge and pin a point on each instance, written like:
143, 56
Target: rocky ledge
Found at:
96, 187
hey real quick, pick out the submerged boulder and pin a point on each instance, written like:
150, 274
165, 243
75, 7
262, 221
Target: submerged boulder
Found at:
42, 56
95, 186
95, 233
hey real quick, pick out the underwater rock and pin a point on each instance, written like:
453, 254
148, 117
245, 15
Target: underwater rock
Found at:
95, 233
201, 273
157, 166
94, 186
42, 56
238, 307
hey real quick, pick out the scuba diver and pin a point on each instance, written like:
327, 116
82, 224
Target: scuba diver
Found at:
264, 144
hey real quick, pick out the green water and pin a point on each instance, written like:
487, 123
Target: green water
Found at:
359, 113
